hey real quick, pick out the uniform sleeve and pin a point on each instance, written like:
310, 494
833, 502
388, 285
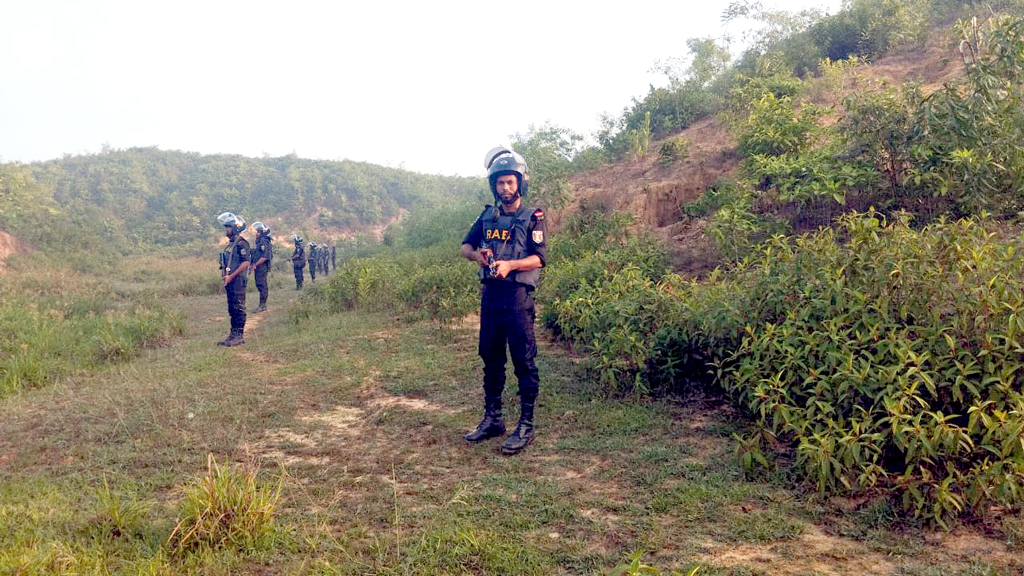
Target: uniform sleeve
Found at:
537, 243
242, 250
475, 235
269, 252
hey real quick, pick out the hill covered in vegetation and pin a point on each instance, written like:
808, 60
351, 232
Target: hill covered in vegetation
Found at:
140, 197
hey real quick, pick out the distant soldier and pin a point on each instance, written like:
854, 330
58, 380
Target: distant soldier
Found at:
324, 256
333, 265
312, 260
234, 262
261, 260
298, 260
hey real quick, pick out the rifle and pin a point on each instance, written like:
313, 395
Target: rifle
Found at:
225, 257
492, 266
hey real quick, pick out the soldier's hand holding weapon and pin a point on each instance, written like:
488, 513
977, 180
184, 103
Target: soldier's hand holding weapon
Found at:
488, 255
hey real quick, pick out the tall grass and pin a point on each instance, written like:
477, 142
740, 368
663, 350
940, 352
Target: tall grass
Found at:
55, 322
226, 508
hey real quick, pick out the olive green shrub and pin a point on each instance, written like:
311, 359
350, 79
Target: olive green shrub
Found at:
893, 363
434, 283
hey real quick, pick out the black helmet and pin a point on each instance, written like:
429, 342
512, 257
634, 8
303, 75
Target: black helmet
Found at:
296, 238
501, 161
261, 228
237, 223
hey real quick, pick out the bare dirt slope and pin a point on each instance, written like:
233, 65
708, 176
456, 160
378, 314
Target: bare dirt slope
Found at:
9, 245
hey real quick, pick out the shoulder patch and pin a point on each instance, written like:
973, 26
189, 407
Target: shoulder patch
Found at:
538, 214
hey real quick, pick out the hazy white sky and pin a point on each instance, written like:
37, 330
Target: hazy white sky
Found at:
429, 86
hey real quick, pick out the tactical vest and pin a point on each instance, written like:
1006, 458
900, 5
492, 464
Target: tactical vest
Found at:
301, 260
262, 250
507, 234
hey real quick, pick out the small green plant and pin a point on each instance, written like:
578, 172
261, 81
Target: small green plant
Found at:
120, 512
836, 73
673, 150
226, 508
634, 566
640, 138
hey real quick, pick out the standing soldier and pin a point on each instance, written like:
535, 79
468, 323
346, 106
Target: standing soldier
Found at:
333, 265
261, 256
508, 242
298, 260
324, 256
312, 260
234, 262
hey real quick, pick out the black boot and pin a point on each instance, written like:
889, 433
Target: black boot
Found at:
492, 425
224, 342
235, 339
261, 308
523, 435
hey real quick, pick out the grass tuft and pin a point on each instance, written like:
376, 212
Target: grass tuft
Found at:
227, 508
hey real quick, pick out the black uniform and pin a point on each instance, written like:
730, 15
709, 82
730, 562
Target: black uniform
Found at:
506, 304
263, 249
313, 262
237, 251
333, 265
298, 263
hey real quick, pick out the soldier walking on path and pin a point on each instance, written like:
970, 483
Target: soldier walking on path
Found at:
234, 263
509, 244
298, 260
262, 256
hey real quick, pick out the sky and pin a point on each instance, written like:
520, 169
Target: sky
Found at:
426, 86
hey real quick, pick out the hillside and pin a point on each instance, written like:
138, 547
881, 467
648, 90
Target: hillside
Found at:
654, 193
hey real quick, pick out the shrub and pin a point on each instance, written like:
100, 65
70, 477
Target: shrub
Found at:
809, 177
673, 150
974, 127
882, 128
748, 91
434, 283
774, 127
891, 363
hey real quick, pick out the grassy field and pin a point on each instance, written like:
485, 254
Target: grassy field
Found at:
346, 431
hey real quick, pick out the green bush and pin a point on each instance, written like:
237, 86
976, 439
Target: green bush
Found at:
892, 363
882, 129
748, 91
810, 177
870, 28
774, 127
975, 126
433, 283
673, 150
